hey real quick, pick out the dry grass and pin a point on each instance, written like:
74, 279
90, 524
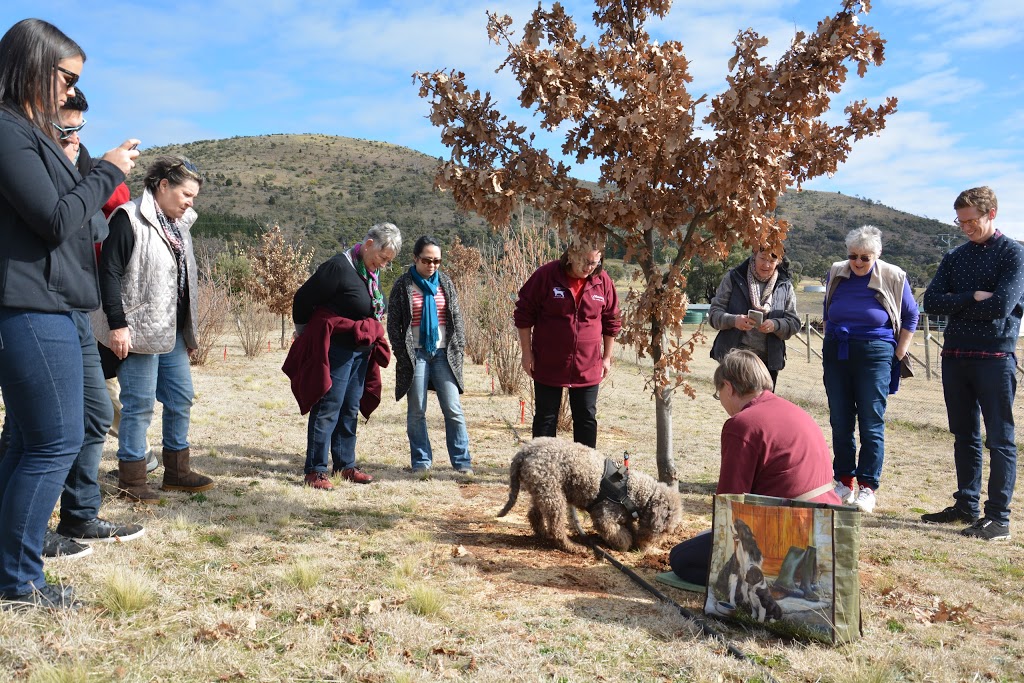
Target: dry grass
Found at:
261, 579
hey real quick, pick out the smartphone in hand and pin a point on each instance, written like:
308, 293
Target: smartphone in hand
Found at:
756, 317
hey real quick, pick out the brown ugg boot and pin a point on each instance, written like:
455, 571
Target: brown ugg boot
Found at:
178, 476
131, 482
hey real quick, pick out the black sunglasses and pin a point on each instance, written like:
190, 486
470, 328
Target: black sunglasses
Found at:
863, 258
71, 77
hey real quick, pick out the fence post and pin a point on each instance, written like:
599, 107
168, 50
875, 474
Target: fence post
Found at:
927, 348
807, 327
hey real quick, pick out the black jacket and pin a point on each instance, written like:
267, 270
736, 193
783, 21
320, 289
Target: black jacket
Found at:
50, 219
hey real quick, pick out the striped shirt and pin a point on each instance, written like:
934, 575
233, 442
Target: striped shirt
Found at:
416, 299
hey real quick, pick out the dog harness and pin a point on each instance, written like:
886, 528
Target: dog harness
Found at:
613, 488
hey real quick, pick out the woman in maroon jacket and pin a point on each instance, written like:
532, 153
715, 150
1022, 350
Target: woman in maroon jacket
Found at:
568, 315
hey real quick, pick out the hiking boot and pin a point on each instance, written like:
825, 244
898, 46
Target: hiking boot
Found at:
55, 545
131, 480
356, 475
178, 475
950, 515
318, 480
47, 597
464, 471
845, 493
987, 530
99, 530
865, 500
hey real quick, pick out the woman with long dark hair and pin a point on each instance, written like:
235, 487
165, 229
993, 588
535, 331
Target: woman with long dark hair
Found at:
49, 221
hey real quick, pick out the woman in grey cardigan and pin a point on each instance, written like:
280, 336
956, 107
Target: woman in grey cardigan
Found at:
426, 330
755, 308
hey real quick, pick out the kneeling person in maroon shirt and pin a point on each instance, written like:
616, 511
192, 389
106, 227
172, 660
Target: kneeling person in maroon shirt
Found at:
770, 447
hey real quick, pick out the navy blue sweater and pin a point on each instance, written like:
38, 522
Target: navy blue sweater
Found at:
996, 266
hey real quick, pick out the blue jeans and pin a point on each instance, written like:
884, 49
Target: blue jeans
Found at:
975, 388
436, 372
146, 378
41, 380
858, 391
81, 498
334, 418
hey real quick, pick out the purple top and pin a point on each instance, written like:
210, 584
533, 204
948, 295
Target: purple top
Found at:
855, 307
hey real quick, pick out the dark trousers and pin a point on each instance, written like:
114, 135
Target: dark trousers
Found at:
583, 404
976, 389
691, 559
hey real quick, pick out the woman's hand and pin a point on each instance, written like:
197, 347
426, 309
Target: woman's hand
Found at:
121, 342
768, 326
124, 156
527, 362
744, 324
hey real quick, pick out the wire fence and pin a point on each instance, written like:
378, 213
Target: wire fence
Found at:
919, 402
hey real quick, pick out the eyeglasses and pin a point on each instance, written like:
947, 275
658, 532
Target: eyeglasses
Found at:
768, 257
716, 396
863, 258
68, 131
70, 77
970, 222
430, 261
591, 264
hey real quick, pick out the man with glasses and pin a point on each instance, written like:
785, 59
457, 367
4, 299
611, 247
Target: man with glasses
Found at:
980, 286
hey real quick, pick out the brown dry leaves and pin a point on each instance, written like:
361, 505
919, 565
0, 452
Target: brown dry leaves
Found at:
937, 612
667, 177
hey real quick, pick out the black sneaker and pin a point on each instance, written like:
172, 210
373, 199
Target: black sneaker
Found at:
47, 597
987, 530
101, 530
55, 545
950, 515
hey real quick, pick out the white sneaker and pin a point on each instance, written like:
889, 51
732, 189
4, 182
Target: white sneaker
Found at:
865, 500
845, 493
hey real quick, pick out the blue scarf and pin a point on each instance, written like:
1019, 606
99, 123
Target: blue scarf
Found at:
429, 333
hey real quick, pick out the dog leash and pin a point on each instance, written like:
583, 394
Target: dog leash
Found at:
705, 629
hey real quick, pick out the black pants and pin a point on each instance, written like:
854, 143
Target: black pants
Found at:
582, 403
691, 559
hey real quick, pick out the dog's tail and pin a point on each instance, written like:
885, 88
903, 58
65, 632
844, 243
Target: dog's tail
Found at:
513, 482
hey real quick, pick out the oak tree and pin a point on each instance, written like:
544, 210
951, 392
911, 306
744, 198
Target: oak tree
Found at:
698, 174
278, 270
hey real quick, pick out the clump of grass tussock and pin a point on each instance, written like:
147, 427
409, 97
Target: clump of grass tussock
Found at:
404, 571
71, 673
420, 536
426, 601
303, 574
126, 592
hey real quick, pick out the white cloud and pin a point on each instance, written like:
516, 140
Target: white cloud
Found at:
939, 88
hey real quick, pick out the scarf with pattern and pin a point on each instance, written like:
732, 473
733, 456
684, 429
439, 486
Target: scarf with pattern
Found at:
372, 280
763, 301
177, 242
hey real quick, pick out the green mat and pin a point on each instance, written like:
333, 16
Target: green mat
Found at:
671, 579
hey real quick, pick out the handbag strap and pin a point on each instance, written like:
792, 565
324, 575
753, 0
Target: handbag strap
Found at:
814, 493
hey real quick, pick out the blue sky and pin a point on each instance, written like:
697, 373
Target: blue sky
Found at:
182, 71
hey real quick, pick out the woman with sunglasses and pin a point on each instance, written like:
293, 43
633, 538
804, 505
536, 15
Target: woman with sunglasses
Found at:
755, 308
150, 288
870, 318
428, 335
49, 219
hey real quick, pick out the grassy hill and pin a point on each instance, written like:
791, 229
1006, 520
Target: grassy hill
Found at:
329, 188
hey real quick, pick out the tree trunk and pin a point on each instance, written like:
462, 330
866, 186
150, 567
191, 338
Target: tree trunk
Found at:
282, 331
663, 426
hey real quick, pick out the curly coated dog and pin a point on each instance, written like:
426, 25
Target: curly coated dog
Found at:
559, 474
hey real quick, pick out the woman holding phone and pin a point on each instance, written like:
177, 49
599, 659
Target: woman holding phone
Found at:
755, 308
49, 221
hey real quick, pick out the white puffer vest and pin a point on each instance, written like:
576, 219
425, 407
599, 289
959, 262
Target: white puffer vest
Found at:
149, 288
